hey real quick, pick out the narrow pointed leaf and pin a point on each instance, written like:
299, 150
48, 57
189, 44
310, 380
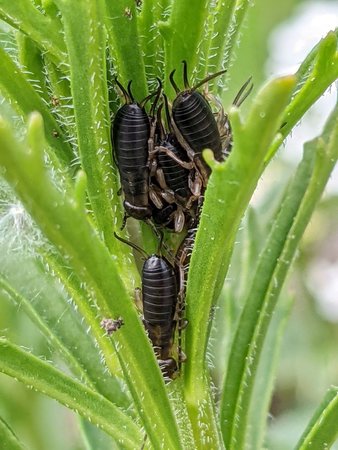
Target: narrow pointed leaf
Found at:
294, 214
8, 439
226, 199
322, 431
125, 42
41, 376
319, 71
263, 389
182, 34
23, 16
20, 93
86, 41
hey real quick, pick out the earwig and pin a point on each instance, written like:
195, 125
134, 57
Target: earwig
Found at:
196, 127
130, 135
159, 297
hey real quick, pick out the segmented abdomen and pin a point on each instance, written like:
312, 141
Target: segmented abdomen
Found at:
195, 121
159, 292
131, 130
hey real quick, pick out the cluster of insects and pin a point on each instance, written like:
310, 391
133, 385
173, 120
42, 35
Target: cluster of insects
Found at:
163, 178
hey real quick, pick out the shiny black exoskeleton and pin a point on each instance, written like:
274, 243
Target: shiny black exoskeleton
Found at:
176, 176
130, 135
194, 119
159, 297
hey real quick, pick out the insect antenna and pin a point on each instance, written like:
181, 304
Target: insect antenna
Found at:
158, 95
159, 121
167, 114
132, 245
239, 99
129, 99
185, 74
145, 100
129, 91
208, 78
172, 81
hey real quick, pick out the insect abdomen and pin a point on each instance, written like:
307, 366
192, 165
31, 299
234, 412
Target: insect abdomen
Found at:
131, 131
195, 121
159, 289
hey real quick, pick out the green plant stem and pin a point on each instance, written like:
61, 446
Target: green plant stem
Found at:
322, 430
202, 415
45, 31
225, 202
41, 376
64, 223
125, 45
295, 212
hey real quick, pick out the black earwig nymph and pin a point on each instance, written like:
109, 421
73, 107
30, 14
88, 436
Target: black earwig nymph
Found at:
130, 135
194, 119
159, 297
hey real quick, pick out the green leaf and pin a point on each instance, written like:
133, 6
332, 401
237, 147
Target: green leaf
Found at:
228, 20
95, 438
64, 223
290, 222
30, 58
28, 308
8, 439
38, 296
61, 102
41, 376
123, 38
23, 16
182, 34
315, 75
263, 389
151, 40
22, 96
229, 190
89, 312
322, 430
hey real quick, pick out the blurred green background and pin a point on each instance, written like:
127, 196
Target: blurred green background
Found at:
275, 38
